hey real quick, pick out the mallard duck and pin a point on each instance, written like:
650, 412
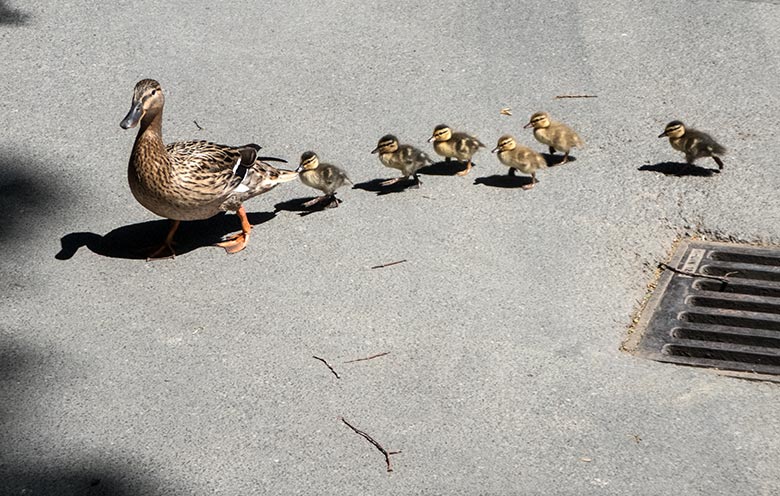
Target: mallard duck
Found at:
460, 146
518, 157
557, 135
324, 177
694, 144
405, 158
192, 180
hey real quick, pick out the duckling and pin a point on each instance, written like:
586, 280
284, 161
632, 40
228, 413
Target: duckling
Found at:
694, 144
557, 135
460, 146
405, 158
192, 180
324, 177
518, 157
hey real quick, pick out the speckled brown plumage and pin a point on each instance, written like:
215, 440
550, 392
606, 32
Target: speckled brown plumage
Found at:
190, 180
556, 135
460, 146
322, 176
693, 143
518, 157
404, 158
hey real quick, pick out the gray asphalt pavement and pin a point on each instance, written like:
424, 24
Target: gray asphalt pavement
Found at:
505, 374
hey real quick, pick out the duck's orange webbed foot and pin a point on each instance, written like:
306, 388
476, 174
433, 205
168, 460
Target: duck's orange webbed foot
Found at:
237, 242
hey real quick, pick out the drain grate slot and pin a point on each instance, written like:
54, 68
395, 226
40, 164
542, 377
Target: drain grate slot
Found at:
722, 355
738, 273
745, 289
726, 336
725, 256
732, 324
727, 304
730, 321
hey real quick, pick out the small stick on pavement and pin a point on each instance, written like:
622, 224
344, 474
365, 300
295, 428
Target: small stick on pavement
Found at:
388, 264
575, 96
506, 111
368, 358
328, 365
372, 441
724, 278
198, 126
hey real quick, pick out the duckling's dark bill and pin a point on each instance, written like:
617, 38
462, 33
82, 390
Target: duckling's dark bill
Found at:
133, 116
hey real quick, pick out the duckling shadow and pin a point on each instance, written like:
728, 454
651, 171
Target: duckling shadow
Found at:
137, 241
298, 205
504, 181
679, 169
442, 168
554, 160
375, 186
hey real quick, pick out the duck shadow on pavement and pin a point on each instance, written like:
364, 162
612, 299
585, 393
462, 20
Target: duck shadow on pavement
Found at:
137, 241
375, 186
298, 205
679, 169
504, 181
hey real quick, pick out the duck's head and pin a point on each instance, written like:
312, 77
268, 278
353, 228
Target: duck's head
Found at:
442, 132
674, 129
505, 143
387, 144
538, 120
147, 99
309, 161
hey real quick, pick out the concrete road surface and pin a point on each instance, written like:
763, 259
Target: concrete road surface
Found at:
505, 374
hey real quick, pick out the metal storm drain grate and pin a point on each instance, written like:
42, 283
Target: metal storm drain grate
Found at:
717, 305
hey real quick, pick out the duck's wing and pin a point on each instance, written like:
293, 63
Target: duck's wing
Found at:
212, 165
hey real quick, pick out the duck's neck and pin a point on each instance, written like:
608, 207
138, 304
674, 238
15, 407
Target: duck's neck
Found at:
149, 139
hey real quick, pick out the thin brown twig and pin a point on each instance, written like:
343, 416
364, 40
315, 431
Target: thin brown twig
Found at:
368, 358
723, 278
388, 264
373, 441
575, 96
328, 365
198, 126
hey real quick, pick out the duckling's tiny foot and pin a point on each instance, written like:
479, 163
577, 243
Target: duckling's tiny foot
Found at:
390, 182
528, 186
334, 202
512, 172
552, 151
719, 162
464, 171
235, 243
414, 185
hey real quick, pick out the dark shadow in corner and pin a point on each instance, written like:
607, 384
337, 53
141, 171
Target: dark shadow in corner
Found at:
297, 205
26, 467
375, 186
557, 159
679, 169
12, 16
136, 241
29, 198
504, 181
443, 168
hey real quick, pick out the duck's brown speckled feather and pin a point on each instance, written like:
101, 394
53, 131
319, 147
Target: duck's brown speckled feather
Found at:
191, 180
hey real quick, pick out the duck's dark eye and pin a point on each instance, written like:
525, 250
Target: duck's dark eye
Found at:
154, 92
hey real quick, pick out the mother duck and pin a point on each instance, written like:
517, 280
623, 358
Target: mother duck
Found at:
192, 180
